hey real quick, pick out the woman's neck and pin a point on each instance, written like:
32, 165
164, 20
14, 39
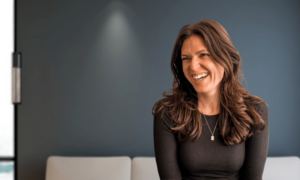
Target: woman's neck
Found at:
209, 104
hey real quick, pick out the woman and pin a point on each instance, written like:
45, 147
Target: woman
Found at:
210, 127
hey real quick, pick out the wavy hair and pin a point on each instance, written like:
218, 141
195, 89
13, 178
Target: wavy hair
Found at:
239, 118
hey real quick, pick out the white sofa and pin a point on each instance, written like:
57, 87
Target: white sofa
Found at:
144, 168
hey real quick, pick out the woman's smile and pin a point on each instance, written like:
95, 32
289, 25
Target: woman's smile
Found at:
201, 80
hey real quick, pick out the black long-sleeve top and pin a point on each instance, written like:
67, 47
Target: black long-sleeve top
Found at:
205, 159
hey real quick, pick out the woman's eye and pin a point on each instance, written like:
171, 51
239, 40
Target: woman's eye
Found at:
200, 55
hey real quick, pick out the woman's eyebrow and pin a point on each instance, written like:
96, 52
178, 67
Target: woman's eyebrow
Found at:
196, 52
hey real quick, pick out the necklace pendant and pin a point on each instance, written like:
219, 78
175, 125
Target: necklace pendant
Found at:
212, 138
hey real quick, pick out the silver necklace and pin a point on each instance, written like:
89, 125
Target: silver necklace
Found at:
212, 133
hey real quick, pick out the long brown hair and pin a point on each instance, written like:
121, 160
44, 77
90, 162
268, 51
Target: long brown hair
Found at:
235, 101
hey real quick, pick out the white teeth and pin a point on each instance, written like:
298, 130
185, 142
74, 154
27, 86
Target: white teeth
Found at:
200, 76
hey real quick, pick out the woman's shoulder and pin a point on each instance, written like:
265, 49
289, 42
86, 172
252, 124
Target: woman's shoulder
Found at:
164, 116
261, 107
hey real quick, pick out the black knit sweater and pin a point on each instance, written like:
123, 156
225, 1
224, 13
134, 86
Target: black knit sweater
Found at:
206, 159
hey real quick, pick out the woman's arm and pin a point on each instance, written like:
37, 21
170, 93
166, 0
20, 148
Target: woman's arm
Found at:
165, 147
256, 150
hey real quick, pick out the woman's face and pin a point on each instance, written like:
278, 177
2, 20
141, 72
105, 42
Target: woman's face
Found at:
197, 60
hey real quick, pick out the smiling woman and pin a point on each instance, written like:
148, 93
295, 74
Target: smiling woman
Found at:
232, 143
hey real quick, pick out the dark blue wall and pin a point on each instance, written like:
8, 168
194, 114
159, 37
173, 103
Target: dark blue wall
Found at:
92, 71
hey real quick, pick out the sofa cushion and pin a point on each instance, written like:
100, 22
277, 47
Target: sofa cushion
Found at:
144, 168
279, 168
91, 168
276, 168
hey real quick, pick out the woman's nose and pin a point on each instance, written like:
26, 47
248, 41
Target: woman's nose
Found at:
195, 63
